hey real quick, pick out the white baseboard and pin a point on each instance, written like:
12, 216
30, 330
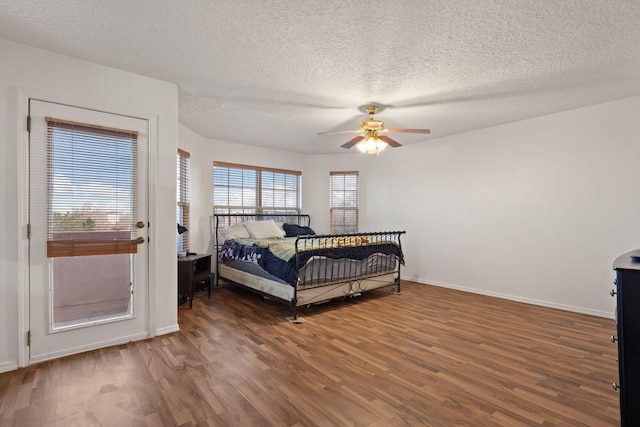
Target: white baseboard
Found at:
548, 304
8, 366
168, 330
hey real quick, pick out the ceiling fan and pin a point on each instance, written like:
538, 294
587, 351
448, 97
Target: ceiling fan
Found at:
370, 141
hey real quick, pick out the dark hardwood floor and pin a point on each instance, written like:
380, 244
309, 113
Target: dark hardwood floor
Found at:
428, 357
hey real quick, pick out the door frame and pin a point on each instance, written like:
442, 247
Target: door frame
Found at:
22, 111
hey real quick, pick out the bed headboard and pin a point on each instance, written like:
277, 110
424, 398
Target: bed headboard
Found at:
224, 220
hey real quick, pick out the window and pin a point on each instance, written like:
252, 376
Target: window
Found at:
183, 199
92, 205
252, 189
92, 180
344, 202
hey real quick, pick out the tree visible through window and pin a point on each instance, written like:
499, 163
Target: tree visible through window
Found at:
255, 190
344, 202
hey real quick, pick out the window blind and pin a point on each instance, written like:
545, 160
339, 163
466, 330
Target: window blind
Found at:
183, 196
253, 189
92, 189
344, 202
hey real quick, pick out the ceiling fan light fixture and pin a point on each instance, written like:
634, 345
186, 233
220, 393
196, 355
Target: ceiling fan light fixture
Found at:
369, 140
372, 145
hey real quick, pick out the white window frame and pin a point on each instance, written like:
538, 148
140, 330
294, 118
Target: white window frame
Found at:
248, 186
183, 198
343, 203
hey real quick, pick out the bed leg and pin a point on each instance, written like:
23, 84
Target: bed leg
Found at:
397, 291
294, 310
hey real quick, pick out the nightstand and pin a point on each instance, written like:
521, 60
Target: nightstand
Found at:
193, 270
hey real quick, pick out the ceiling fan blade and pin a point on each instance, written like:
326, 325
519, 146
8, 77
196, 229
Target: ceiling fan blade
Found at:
427, 131
391, 142
339, 131
352, 141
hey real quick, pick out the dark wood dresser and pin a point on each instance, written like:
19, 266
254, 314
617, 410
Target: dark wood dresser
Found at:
627, 295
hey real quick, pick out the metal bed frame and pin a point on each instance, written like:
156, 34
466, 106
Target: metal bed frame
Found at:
322, 282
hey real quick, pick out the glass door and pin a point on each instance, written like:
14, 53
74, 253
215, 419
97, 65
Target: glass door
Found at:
87, 211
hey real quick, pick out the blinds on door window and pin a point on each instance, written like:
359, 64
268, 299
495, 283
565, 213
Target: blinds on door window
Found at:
344, 202
91, 176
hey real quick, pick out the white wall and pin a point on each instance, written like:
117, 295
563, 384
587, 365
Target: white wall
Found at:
203, 152
28, 71
534, 211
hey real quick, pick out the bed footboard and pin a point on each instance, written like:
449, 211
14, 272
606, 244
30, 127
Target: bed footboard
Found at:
338, 265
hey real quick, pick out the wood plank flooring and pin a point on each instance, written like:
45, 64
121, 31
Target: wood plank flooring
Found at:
428, 357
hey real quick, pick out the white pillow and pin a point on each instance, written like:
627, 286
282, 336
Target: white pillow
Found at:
264, 229
236, 231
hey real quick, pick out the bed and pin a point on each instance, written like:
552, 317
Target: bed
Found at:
280, 256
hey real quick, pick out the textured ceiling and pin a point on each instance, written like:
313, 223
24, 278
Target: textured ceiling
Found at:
275, 73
